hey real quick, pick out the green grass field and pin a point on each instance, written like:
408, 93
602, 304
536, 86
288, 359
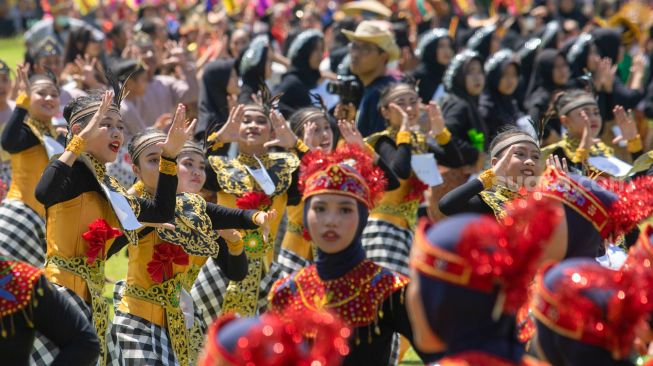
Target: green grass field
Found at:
12, 52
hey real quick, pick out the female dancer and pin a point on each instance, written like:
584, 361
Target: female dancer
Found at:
84, 205
166, 261
255, 179
579, 114
388, 235
30, 139
435, 50
338, 190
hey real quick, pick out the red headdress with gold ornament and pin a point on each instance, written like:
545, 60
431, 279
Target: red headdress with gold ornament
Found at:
490, 253
581, 300
347, 171
299, 338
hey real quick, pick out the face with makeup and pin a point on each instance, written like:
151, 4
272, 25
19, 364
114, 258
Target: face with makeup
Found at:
332, 221
52, 63
423, 336
474, 78
255, 128
106, 144
146, 168
408, 101
44, 100
524, 162
574, 121
191, 172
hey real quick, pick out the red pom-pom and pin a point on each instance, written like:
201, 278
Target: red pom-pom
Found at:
635, 203
254, 201
417, 188
99, 231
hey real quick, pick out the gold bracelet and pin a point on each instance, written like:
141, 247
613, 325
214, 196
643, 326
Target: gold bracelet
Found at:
370, 149
635, 144
255, 216
443, 137
301, 146
235, 248
403, 137
76, 145
22, 101
167, 167
487, 178
580, 155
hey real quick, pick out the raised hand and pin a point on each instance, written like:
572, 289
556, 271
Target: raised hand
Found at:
555, 162
345, 111
501, 167
626, 124
22, 78
163, 122
87, 67
283, 135
178, 134
435, 118
230, 130
350, 133
309, 133
405, 123
92, 128
587, 140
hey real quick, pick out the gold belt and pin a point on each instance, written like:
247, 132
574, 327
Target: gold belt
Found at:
167, 295
406, 211
94, 277
295, 228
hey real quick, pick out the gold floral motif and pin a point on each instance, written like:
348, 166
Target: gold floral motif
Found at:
234, 178
404, 210
41, 128
94, 277
167, 167
242, 297
295, 228
193, 227
569, 146
167, 295
497, 197
417, 139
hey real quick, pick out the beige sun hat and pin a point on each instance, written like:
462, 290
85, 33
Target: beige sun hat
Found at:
370, 8
374, 31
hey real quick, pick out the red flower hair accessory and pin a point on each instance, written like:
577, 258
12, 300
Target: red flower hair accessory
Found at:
254, 201
99, 231
165, 255
300, 339
593, 305
491, 253
348, 171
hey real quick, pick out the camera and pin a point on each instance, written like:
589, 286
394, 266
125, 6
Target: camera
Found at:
348, 88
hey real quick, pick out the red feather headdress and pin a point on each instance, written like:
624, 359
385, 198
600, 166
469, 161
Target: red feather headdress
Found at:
348, 171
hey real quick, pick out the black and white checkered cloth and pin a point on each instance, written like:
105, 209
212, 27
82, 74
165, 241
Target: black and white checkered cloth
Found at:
388, 245
22, 233
45, 351
142, 342
211, 284
290, 261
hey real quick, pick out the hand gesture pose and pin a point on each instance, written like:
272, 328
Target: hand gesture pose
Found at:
230, 130
92, 128
435, 118
22, 79
587, 140
626, 124
87, 67
350, 133
555, 162
405, 122
178, 134
283, 135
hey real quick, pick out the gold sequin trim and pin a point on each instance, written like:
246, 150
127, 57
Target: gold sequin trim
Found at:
76, 145
167, 167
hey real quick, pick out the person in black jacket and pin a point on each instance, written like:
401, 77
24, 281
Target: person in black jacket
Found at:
219, 84
305, 54
434, 51
254, 66
498, 105
550, 74
464, 81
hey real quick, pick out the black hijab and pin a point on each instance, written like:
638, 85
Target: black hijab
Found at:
429, 72
213, 106
498, 109
607, 42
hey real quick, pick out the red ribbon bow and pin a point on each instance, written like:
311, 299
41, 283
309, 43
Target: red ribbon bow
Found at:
165, 255
253, 201
99, 231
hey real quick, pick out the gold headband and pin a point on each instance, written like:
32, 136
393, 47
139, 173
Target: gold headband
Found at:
89, 111
190, 148
400, 89
580, 102
149, 140
511, 141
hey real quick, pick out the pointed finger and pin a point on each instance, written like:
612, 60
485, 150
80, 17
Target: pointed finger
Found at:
191, 127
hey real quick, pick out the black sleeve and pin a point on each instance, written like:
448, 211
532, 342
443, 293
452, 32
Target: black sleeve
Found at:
446, 155
17, 136
464, 198
400, 323
62, 323
234, 267
55, 181
456, 117
162, 208
294, 196
625, 97
397, 157
230, 218
211, 182
393, 182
